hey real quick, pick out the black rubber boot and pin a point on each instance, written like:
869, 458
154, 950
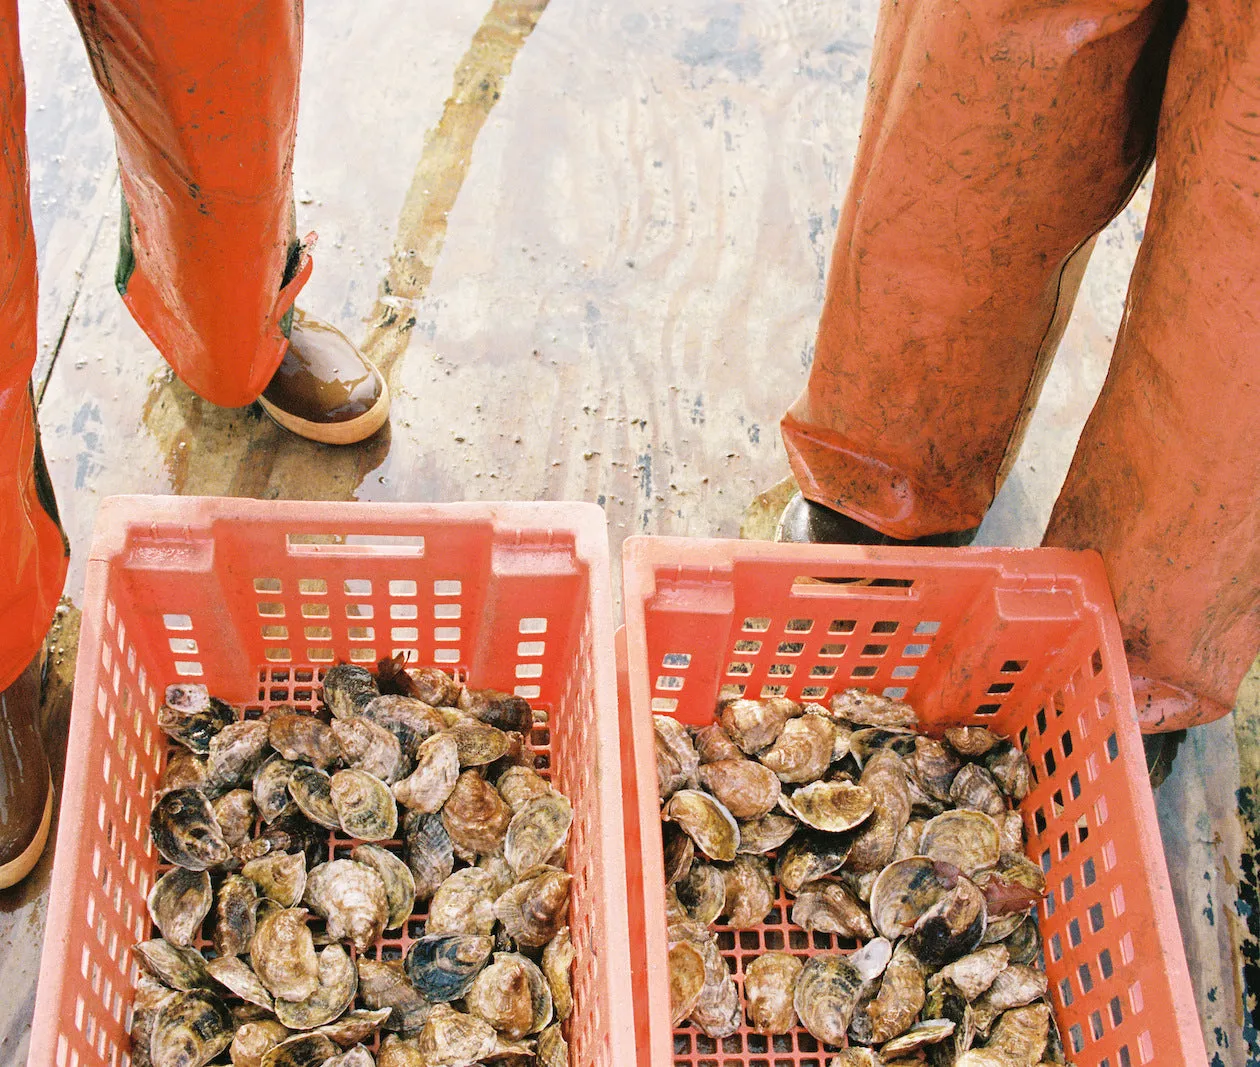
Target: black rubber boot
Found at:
805, 522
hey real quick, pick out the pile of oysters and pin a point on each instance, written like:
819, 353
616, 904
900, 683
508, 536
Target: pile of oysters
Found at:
285, 832
899, 842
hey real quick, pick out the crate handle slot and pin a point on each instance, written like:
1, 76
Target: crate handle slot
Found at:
855, 585
333, 544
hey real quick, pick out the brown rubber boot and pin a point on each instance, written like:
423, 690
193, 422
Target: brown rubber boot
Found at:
26, 793
324, 389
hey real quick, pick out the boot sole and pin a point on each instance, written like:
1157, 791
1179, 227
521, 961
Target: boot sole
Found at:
16, 869
350, 432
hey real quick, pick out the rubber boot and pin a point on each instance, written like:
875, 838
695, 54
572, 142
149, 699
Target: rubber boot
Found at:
26, 792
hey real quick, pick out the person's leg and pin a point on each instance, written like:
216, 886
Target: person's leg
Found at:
203, 99
1165, 482
998, 138
32, 550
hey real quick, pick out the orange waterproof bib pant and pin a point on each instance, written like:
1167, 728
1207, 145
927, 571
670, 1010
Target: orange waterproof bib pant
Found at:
203, 99
999, 137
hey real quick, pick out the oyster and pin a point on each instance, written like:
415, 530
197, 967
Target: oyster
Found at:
400, 1052
369, 746
364, 805
750, 892
512, 995
1010, 768
830, 806
356, 1025
830, 908
451, 1038
534, 910
304, 739
427, 851
974, 787
301, 1050
183, 769
706, 821
903, 892
1013, 987
235, 813
478, 743
190, 1030
769, 987
971, 740
237, 976
519, 785
281, 876
920, 1035
901, 996
713, 743
953, 926
253, 1040
464, 903
717, 1011
673, 735
271, 787
811, 856
686, 979
185, 832
430, 684
865, 742
386, 987
755, 724
1021, 1033
669, 773
679, 851
235, 753
348, 688
1011, 831
759, 836
311, 790
972, 974
178, 902
179, 968
191, 716
870, 709
338, 983
703, 892
475, 816
557, 962
501, 710
967, 839
827, 991
908, 841
283, 955
802, 752
884, 778
235, 915
1024, 942
934, 766
358, 1056
351, 896
399, 882
1011, 889
408, 719
553, 1050
855, 1056
538, 831
437, 769
744, 787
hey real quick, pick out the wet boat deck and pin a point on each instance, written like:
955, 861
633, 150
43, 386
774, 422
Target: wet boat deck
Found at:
587, 243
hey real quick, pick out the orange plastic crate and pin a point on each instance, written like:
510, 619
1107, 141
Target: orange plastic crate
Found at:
1025, 642
256, 598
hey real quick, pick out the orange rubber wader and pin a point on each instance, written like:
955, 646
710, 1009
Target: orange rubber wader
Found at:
999, 137
203, 98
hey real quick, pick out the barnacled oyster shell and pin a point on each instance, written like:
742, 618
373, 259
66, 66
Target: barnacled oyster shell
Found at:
870, 709
830, 806
191, 716
802, 752
557, 962
750, 892
512, 995
178, 902
830, 908
475, 816
974, 787
464, 903
385, 987
368, 746
311, 790
304, 739
364, 805
755, 724
534, 910
759, 836
348, 688
184, 829
237, 976
686, 979
283, 955
174, 966
451, 1038
396, 876
884, 778
253, 1040
235, 915
437, 769
967, 839
351, 896
537, 831
427, 850
281, 876
338, 983
190, 1030
745, 788
703, 892
706, 821
769, 988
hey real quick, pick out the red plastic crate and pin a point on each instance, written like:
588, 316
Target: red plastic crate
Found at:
256, 598
1023, 641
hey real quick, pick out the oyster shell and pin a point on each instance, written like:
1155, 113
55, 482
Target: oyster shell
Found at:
519, 785
855, 1056
338, 983
669, 773
901, 996
368, 746
1021, 1033
400, 1052
253, 1040
759, 836
673, 735
427, 851
190, 1030
553, 1050
478, 743
280, 876
755, 724
1011, 831
354, 1026
348, 688
399, 882
744, 787
475, 816
884, 778
237, 976
769, 988
191, 716
235, 813
464, 903
386, 987
810, 856
235, 915
183, 769
512, 995
283, 955
178, 902
829, 908
703, 892
830, 806
235, 753
538, 831
301, 1050
952, 927
713, 743
971, 740
679, 851
271, 787
365, 806
1024, 942
351, 896
920, 1035
802, 752
903, 892
430, 684
437, 769
827, 991
451, 1038
870, 709
1010, 768
185, 832
534, 910
972, 974
1011, 889
974, 787
865, 742
706, 821
557, 963
304, 739
173, 966
750, 892
1013, 987
501, 710
358, 1056
686, 979
968, 839
311, 790
408, 719
934, 766
717, 1011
